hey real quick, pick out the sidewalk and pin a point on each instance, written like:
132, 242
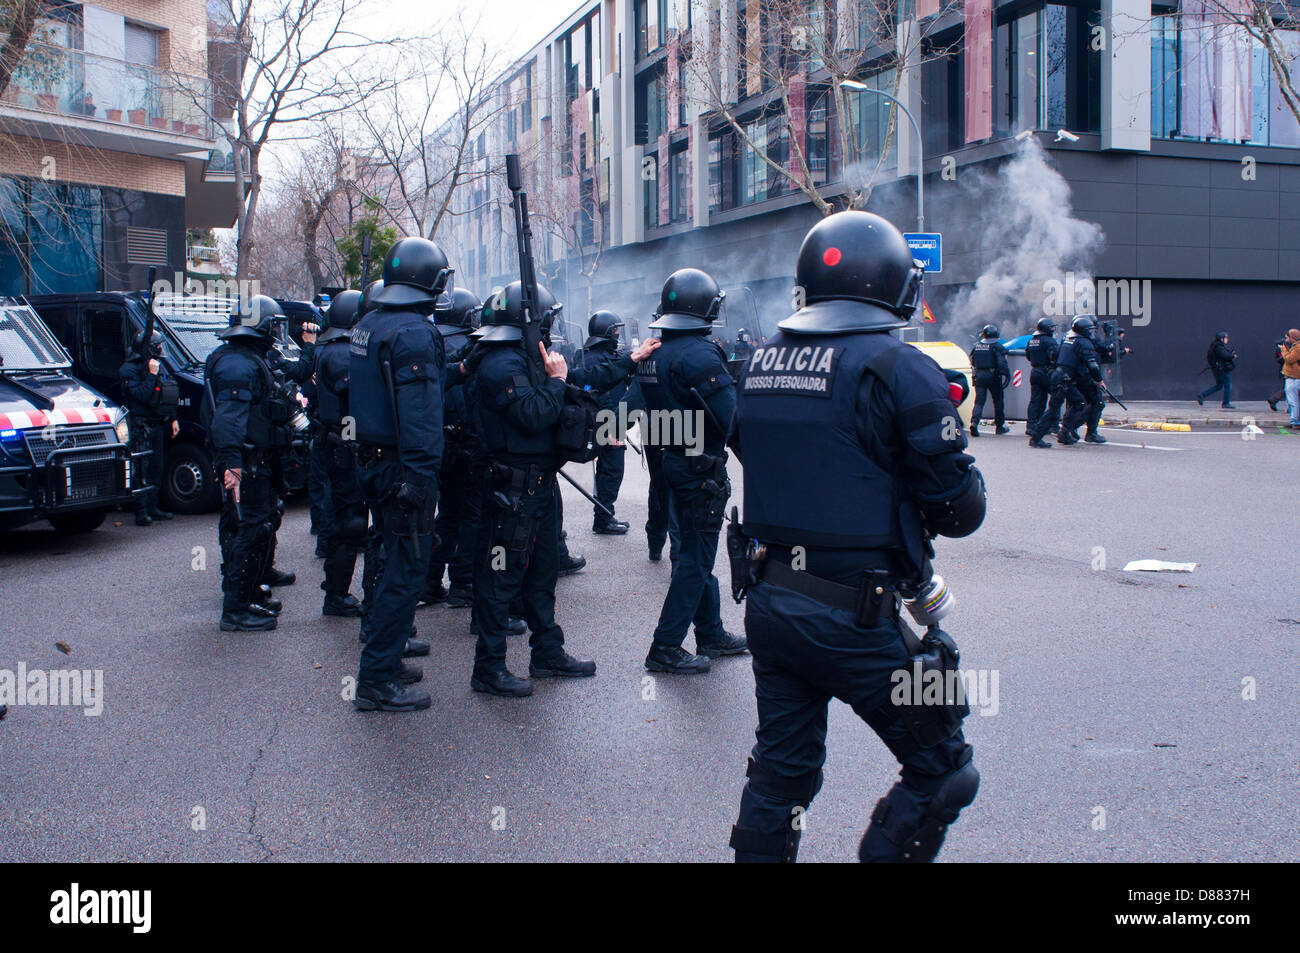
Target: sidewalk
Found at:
1199, 418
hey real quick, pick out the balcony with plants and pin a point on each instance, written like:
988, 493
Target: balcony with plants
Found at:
75, 83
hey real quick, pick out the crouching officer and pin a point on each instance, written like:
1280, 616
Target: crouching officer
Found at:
1040, 351
343, 527
989, 359
687, 378
517, 551
395, 398
853, 457
241, 403
152, 397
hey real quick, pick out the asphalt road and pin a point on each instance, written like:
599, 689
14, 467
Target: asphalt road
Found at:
1120, 731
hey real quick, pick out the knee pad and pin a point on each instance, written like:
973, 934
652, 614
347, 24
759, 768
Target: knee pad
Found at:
775, 846
908, 826
765, 847
352, 529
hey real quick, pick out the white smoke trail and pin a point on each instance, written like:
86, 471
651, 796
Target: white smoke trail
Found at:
1028, 223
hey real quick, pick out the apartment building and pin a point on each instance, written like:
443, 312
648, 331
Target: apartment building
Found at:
1180, 147
109, 148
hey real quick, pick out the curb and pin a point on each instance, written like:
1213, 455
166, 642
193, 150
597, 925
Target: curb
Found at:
1161, 425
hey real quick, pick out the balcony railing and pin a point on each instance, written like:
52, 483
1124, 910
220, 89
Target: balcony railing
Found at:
76, 83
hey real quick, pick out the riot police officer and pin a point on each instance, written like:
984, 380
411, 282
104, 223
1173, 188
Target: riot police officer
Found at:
853, 458
395, 398
1074, 387
152, 397
601, 349
343, 530
989, 359
687, 380
245, 412
517, 550
457, 318
743, 349
1041, 352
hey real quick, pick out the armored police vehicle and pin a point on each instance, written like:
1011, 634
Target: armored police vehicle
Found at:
64, 448
99, 328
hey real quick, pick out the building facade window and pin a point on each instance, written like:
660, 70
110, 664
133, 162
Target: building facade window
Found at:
652, 106
679, 186
650, 189
1238, 100
870, 115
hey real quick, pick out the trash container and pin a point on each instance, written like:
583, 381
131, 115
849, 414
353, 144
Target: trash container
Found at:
952, 358
1016, 395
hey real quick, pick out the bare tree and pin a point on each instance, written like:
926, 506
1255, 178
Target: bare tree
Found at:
18, 21
426, 127
579, 231
782, 53
301, 63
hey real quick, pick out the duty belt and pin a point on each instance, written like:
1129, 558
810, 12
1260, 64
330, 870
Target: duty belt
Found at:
520, 479
867, 603
370, 454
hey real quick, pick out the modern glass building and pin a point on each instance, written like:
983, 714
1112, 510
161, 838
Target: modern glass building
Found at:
662, 133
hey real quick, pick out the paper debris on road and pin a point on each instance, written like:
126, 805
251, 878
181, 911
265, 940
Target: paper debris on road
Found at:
1157, 565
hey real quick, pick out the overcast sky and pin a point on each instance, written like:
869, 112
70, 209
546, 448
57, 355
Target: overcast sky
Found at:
519, 23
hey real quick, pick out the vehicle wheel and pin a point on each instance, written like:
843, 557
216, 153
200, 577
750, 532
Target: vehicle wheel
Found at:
188, 482
83, 522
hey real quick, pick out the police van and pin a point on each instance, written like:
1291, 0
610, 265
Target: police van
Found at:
99, 328
64, 447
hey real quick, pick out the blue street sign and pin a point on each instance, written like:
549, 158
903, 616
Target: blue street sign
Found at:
927, 248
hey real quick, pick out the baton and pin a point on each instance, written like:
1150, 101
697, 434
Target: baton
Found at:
1106, 390
632, 443
713, 418
574, 483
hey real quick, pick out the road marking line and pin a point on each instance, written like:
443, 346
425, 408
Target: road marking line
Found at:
1142, 446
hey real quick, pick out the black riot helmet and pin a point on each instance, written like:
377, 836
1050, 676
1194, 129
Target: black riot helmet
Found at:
1221, 336
1083, 325
503, 313
742, 334
367, 303
990, 332
252, 318
603, 326
690, 300
856, 273
1046, 326
155, 348
460, 309
344, 312
415, 272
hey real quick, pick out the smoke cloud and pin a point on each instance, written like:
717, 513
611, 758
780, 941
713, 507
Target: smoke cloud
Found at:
1028, 226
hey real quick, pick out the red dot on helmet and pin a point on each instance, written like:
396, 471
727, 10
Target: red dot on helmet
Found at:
832, 256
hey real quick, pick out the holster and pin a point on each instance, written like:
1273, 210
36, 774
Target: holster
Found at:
745, 557
929, 723
512, 527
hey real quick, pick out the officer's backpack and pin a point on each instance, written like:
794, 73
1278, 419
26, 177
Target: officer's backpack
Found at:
575, 431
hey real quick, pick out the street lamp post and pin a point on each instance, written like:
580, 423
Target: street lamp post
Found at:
854, 85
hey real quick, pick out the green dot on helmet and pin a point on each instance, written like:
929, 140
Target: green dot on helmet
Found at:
672, 296
397, 261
